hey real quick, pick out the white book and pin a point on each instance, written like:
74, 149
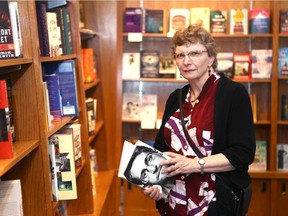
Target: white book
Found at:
131, 106
11, 198
148, 111
201, 16
261, 63
179, 19
131, 65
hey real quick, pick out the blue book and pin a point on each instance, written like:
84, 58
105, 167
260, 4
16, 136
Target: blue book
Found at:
68, 89
283, 61
259, 21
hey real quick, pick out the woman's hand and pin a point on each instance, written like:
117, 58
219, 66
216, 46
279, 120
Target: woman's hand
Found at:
153, 192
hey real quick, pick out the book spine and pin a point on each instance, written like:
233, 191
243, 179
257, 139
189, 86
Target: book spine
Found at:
42, 29
53, 33
67, 31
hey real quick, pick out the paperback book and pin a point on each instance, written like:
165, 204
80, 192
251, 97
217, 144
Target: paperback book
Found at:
218, 21
133, 167
282, 157
261, 63
167, 66
226, 63
284, 20
133, 20
238, 21
131, 107
283, 61
149, 63
154, 21
131, 65
242, 66
259, 20
179, 18
201, 16
260, 159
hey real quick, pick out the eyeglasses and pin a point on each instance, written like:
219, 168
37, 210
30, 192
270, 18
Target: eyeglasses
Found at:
194, 55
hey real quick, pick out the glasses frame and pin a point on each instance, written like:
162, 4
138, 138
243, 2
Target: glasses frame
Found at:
190, 55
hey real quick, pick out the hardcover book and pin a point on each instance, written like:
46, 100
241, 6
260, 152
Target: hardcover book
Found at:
68, 88
133, 167
11, 198
154, 21
238, 21
283, 20
283, 61
179, 18
200, 15
131, 106
260, 159
67, 31
167, 67
149, 63
131, 65
65, 166
91, 114
242, 66
218, 21
5, 136
53, 33
282, 157
259, 19
226, 63
7, 49
133, 20
261, 63
42, 28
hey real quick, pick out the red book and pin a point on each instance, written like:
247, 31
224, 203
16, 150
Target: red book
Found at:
242, 66
6, 148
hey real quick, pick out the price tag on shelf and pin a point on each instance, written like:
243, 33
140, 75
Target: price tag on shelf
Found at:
135, 37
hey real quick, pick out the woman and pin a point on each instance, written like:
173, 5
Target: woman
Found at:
218, 116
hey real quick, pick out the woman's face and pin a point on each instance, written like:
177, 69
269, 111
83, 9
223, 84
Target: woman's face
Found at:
193, 61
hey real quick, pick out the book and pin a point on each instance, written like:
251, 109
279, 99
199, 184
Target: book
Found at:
167, 66
131, 106
179, 18
259, 20
11, 198
49, 117
42, 28
253, 99
5, 136
91, 107
238, 21
261, 63
53, 33
201, 16
283, 61
282, 157
283, 28
284, 107
218, 21
148, 111
74, 128
131, 65
88, 63
68, 88
226, 63
67, 34
10, 105
16, 28
260, 159
154, 21
149, 63
134, 162
7, 49
54, 96
242, 66
54, 4
52, 142
133, 20
65, 166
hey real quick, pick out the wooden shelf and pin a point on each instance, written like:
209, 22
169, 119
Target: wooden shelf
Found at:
88, 86
269, 175
99, 126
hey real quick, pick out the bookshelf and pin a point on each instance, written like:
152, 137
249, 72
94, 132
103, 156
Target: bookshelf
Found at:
267, 186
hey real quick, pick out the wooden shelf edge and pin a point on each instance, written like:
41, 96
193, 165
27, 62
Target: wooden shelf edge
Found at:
16, 61
58, 58
58, 125
21, 149
269, 175
88, 86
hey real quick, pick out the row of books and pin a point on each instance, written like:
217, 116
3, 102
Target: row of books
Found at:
65, 156
260, 160
10, 31
60, 90
233, 21
54, 29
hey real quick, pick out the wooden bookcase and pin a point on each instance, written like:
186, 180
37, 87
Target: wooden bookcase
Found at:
269, 187
30, 162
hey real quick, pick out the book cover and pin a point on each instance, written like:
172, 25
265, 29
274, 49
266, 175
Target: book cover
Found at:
154, 21
133, 20
68, 88
259, 20
201, 16
179, 18
88, 63
75, 129
65, 166
283, 20
283, 61
226, 63
149, 63
130, 65
16, 28
7, 49
11, 198
91, 115
5, 136
53, 169
131, 106
55, 100
148, 111
134, 162
167, 66
218, 21
282, 157
42, 29
261, 63
238, 21
242, 66
53, 33
260, 159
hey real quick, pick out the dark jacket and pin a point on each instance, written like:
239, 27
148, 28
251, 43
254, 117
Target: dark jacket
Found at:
233, 129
